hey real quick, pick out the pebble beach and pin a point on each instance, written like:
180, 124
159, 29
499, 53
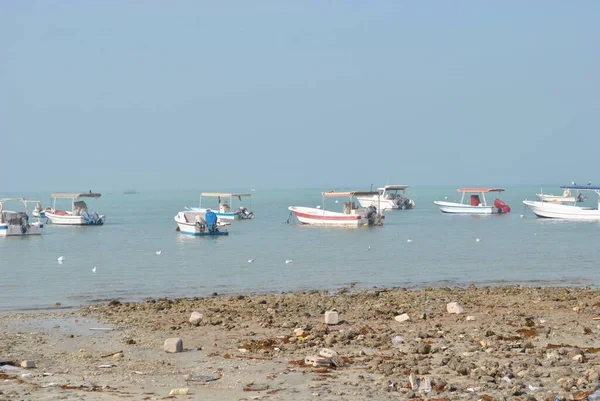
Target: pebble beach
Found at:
472, 343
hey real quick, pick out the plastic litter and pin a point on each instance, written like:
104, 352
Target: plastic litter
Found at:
397, 340
180, 391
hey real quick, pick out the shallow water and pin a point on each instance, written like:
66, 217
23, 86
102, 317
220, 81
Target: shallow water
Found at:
443, 251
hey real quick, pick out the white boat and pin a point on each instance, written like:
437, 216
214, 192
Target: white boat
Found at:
388, 197
13, 223
194, 223
559, 210
78, 215
477, 205
225, 212
566, 197
352, 216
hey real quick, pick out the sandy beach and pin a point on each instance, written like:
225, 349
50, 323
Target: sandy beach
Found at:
513, 343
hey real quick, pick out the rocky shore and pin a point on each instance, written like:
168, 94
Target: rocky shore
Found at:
495, 343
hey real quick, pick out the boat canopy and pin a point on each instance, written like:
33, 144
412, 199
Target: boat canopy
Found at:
75, 195
394, 187
581, 187
480, 190
350, 193
216, 194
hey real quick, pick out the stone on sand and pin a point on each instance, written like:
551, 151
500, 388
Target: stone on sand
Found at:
454, 307
173, 345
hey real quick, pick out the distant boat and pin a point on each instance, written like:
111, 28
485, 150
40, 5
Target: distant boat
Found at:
78, 215
477, 205
561, 210
131, 192
388, 197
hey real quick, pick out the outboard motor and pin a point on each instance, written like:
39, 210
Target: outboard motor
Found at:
371, 214
405, 203
24, 223
244, 213
87, 217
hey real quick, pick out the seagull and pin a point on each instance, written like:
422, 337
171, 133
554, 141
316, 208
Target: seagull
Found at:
368, 248
477, 239
445, 197
573, 183
250, 260
337, 201
408, 240
60, 258
159, 252
534, 233
318, 206
94, 269
288, 261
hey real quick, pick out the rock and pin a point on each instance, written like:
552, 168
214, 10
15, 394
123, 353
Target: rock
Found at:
114, 302
173, 345
331, 317
454, 307
196, 318
28, 364
424, 349
402, 318
118, 355
470, 318
578, 358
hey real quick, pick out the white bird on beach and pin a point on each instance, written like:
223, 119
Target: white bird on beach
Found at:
250, 260
94, 269
408, 240
60, 258
159, 252
288, 261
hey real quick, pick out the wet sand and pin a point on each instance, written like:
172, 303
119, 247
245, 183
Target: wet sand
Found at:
521, 343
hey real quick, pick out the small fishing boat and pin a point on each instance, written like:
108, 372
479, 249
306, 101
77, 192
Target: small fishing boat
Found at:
352, 216
200, 223
14, 223
388, 197
566, 197
225, 211
565, 211
478, 203
78, 215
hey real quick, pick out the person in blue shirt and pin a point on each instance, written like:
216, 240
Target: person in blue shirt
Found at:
211, 220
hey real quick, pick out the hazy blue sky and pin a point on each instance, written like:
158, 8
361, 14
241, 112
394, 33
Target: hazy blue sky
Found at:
255, 94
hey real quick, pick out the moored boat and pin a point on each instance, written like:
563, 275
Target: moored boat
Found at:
352, 216
225, 211
477, 205
567, 211
78, 215
13, 223
199, 223
388, 197
566, 197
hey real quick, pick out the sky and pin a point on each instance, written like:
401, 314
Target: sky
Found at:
310, 94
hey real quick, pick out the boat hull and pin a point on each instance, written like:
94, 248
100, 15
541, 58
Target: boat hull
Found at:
7, 230
461, 208
70, 220
314, 216
220, 215
556, 198
553, 210
383, 204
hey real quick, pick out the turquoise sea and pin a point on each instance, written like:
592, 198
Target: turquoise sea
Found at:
443, 251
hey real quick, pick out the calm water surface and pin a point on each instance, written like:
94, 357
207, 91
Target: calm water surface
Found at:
443, 251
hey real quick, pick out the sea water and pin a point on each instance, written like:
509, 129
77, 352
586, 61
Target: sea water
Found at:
414, 248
